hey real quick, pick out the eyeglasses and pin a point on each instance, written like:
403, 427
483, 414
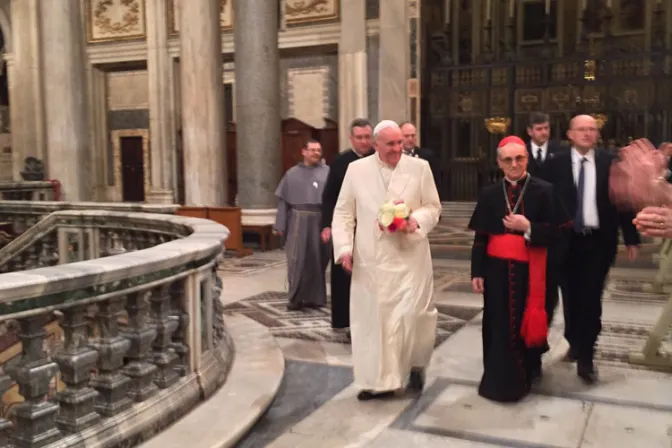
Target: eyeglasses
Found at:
509, 160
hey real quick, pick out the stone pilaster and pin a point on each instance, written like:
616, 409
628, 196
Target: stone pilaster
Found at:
352, 68
161, 126
394, 61
258, 138
67, 127
25, 89
202, 95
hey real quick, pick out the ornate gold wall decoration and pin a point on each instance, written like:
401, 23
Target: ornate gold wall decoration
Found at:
497, 125
115, 20
225, 15
308, 11
116, 158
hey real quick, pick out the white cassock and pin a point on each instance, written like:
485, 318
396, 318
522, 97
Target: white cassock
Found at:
392, 312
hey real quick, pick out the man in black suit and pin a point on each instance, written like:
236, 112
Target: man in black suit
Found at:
540, 147
361, 139
539, 150
412, 149
580, 178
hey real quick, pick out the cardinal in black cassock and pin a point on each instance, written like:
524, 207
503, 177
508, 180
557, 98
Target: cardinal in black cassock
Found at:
360, 135
514, 222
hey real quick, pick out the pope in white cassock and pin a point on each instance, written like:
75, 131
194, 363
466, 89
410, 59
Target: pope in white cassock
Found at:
392, 312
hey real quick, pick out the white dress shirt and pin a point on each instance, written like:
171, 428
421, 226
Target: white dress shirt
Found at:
590, 216
534, 149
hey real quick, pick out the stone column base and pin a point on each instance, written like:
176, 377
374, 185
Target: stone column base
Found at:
258, 217
159, 196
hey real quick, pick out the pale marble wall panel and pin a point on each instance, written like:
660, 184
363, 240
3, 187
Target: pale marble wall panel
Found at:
225, 15
329, 61
308, 94
303, 12
127, 90
372, 67
115, 19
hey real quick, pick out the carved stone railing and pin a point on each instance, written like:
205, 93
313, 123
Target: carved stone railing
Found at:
143, 336
25, 214
29, 191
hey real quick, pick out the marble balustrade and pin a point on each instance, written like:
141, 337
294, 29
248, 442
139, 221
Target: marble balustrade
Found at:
136, 297
27, 191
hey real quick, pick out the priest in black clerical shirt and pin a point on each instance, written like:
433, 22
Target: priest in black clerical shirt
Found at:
361, 139
514, 222
540, 147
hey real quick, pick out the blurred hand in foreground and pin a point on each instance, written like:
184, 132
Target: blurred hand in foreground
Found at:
638, 178
655, 222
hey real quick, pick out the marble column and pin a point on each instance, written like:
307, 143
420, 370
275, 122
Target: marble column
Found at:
352, 71
258, 122
202, 97
394, 61
161, 113
25, 88
66, 123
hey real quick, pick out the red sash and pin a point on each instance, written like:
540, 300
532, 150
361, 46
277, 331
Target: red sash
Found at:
534, 328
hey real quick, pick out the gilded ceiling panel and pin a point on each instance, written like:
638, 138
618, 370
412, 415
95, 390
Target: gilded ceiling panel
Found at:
115, 20
308, 11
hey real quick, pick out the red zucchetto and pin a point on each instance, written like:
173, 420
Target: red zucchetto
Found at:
511, 139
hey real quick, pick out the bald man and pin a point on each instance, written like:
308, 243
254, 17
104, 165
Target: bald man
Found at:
393, 316
580, 178
514, 222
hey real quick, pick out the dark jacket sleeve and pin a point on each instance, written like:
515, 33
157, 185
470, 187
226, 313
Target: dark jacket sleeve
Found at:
479, 254
630, 233
544, 230
435, 166
331, 190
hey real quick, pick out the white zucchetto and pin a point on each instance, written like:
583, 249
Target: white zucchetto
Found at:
385, 124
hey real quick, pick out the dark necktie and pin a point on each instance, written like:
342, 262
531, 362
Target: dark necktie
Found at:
579, 224
539, 160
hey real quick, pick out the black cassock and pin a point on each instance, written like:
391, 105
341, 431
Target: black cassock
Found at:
340, 280
508, 363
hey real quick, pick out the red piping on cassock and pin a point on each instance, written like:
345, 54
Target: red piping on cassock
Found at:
534, 327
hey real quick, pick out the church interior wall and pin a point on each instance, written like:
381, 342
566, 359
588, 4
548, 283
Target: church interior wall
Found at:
372, 65
309, 87
127, 108
372, 9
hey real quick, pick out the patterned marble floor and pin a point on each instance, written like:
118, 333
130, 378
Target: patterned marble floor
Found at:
630, 407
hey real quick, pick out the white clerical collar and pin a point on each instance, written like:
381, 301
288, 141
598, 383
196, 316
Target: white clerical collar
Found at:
382, 163
515, 182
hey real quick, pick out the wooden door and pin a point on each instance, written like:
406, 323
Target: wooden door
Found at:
132, 169
328, 138
231, 163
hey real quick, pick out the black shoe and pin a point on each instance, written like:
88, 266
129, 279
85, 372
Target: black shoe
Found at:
571, 355
294, 307
367, 395
416, 381
587, 372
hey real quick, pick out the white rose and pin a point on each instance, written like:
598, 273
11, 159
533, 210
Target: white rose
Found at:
385, 218
401, 211
387, 207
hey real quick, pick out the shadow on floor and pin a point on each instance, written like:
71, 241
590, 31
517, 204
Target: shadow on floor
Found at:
305, 387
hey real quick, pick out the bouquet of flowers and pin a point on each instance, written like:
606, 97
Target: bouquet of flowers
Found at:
638, 179
393, 216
